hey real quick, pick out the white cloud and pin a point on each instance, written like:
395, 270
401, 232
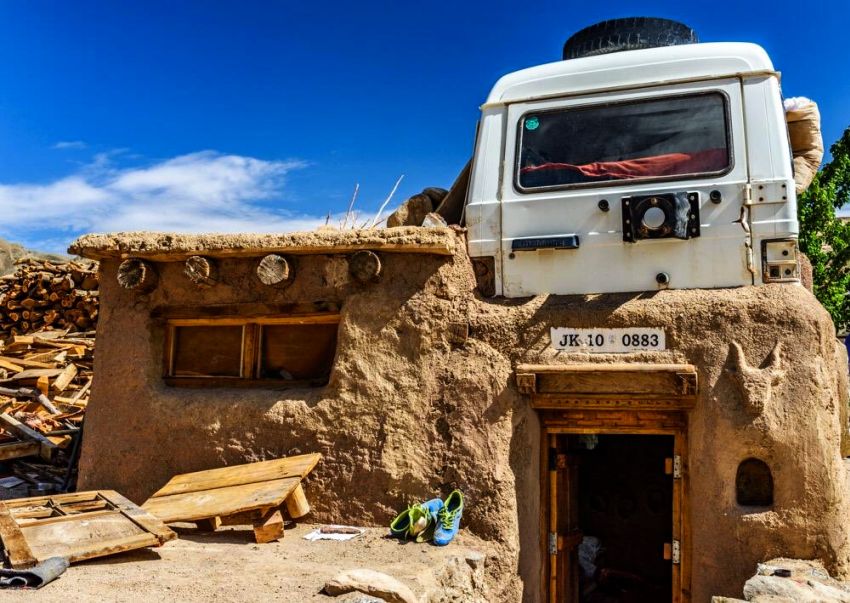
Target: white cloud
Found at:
199, 192
69, 144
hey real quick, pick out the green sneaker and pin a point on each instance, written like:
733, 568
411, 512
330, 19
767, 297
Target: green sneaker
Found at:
417, 521
449, 519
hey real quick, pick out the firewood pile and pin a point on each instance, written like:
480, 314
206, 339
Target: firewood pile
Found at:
41, 294
47, 315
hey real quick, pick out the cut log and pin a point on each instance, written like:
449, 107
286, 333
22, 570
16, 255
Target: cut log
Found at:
297, 504
273, 269
137, 275
201, 271
365, 266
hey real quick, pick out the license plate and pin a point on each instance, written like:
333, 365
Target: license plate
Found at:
608, 341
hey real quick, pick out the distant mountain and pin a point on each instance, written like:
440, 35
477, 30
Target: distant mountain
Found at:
9, 252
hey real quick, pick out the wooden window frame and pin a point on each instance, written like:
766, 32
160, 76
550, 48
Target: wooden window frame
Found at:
251, 353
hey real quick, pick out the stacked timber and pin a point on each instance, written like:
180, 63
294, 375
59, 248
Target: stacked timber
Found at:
44, 295
45, 379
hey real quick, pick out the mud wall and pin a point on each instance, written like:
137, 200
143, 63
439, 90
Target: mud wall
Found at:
413, 408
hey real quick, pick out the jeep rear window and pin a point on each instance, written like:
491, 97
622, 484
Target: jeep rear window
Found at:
647, 139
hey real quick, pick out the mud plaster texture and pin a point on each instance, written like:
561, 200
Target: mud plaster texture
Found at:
414, 409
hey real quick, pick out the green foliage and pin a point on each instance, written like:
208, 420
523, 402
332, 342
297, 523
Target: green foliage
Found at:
824, 238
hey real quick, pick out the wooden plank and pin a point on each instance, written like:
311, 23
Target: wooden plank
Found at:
299, 319
248, 311
84, 537
32, 512
45, 521
621, 379
134, 513
14, 426
65, 378
109, 547
192, 506
27, 363
590, 367
53, 499
36, 373
16, 450
292, 466
611, 402
11, 366
81, 507
17, 548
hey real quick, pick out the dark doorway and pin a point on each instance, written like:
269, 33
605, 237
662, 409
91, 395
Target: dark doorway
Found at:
622, 497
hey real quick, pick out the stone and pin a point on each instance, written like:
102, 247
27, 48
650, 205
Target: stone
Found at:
412, 212
793, 581
372, 583
356, 597
460, 579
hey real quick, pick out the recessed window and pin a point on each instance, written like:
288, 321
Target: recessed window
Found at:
201, 351
297, 352
281, 351
657, 138
754, 484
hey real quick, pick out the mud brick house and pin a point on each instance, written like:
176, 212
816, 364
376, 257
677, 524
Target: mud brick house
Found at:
685, 465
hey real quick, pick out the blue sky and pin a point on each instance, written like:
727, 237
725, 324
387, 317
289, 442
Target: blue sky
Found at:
256, 115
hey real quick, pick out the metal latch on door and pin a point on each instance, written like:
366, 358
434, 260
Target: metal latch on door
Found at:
673, 466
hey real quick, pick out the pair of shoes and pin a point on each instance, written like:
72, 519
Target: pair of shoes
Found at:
432, 520
417, 521
449, 518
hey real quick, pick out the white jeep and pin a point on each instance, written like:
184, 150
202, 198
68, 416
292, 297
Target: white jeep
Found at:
634, 170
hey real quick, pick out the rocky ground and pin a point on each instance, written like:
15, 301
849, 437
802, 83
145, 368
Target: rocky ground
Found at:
791, 581
228, 566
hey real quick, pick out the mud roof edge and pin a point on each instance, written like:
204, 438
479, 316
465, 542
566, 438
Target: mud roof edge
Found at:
167, 247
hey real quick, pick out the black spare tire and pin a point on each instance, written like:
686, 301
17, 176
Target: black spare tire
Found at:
633, 33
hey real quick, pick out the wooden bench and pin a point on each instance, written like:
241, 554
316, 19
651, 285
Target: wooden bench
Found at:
252, 494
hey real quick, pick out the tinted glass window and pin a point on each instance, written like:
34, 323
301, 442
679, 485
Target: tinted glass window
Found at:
624, 141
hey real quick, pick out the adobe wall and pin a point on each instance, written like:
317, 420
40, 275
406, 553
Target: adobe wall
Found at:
413, 410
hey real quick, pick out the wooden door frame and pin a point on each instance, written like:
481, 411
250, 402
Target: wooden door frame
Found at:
606, 422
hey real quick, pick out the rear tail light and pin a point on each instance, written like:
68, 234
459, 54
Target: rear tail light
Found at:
780, 261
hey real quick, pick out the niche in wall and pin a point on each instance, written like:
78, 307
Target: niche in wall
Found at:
754, 484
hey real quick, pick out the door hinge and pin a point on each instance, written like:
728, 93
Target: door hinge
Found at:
553, 543
748, 194
677, 553
677, 467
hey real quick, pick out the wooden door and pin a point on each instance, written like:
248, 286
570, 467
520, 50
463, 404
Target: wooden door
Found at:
564, 534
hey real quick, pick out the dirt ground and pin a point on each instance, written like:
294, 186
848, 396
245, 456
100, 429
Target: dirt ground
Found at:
228, 566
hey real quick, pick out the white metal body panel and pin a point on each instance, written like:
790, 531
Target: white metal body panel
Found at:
603, 262
773, 209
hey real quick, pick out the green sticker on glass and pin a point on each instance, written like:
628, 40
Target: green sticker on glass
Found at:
532, 123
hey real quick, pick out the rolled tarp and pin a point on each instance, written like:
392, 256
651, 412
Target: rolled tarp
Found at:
803, 120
